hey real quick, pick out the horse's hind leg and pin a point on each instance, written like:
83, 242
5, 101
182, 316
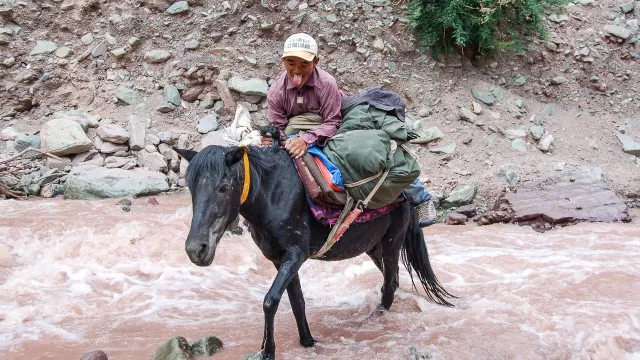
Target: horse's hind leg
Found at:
389, 270
294, 291
374, 254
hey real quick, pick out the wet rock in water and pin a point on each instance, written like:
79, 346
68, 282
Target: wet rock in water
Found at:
95, 355
126, 208
125, 202
91, 182
467, 210
460, 195
495, 217
175, 349
456, 219
207, 346
572, 197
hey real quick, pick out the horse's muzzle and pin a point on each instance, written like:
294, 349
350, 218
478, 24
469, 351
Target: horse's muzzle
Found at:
200, 253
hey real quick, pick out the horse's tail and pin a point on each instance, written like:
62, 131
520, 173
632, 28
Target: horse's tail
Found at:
415, 256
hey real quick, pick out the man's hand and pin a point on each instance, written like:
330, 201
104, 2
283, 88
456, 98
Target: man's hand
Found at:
266, 140
296, 147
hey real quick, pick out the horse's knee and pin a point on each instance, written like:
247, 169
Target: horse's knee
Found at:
270, 305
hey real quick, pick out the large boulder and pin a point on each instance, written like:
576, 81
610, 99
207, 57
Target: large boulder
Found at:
91, 182
64, 137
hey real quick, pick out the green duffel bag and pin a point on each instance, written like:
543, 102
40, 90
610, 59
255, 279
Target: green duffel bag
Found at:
365, 157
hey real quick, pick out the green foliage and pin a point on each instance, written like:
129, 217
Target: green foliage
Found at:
478, 26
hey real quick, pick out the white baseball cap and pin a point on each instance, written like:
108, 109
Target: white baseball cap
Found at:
300, 45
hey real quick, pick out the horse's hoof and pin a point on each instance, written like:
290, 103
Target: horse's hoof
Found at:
309, 342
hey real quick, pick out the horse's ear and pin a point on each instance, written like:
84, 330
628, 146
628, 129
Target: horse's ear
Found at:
186, 154
234, 155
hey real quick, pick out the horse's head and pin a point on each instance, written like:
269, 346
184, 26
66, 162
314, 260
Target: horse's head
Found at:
214, 177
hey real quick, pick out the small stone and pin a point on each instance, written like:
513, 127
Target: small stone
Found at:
424, 112
87, 39
545, 142
168, 107
559, 166
208, 101
477, 109
178, 8
157, 56
519, 103
207, 124
110, 39
483, 97
43, 47
378, 44
558, 80
99, 50
332, 18
119, 52
127, 95
520, 80
133, 41
467, 115
536, 131
519, 145
9, 62
171, 95
191, 44
429, 135
62, 52
292, 5
447, 149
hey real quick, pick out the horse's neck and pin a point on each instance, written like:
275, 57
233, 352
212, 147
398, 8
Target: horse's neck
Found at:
279, 190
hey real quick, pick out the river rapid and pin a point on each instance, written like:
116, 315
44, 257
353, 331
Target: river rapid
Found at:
82, 275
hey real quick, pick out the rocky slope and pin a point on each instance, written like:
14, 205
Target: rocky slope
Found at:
169, 73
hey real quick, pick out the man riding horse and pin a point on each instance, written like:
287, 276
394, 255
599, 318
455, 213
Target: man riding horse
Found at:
305, 100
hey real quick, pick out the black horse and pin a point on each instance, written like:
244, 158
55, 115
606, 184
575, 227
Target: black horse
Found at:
286, 232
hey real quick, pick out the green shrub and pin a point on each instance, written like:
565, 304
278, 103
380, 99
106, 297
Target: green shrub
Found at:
478, 26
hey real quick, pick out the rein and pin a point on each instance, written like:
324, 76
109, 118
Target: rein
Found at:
247, 177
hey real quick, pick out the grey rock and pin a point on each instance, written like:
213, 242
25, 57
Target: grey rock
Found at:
80, 116
113, 162
520, 80
207, 124
82, 157
460, 195
119, 52
627, 7
447, 149
516, 133
91, 182
455, 218
87, 38
508, 173
429, 135
25, 141
208, 101
100, 49
488, 99
178, 8
127, 95
545, 142
248, 87
467, 210
156, 56
43, 47
424, 111
154, 161
629, 144
558, 80
618, 31
490, 139
111, 148
168, 107
191, 44
136, 129
519, 145
110, 39
633, 24
62, 52
548, 109
332, 18
292, 4
559, 166
64, 137
152, 139
113, 133
536, 131
168, 137
171, 95
467, 115
175, 349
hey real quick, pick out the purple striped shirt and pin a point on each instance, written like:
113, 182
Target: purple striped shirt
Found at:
319, 95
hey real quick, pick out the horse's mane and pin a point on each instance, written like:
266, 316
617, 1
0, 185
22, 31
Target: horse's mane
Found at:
211, 160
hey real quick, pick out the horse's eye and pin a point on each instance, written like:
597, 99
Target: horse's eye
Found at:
223, 189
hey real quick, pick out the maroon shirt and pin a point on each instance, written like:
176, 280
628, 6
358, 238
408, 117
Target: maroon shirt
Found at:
319, 95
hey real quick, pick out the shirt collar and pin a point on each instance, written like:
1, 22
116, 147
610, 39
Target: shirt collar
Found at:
310, 82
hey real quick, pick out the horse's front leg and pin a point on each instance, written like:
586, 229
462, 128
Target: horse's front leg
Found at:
296, 298
287, 272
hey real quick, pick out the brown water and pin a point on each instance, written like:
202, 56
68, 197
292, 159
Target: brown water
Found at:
86, 275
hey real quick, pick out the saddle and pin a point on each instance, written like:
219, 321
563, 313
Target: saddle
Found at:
317, 182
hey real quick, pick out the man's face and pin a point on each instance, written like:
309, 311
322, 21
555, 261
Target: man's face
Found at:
299, 70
